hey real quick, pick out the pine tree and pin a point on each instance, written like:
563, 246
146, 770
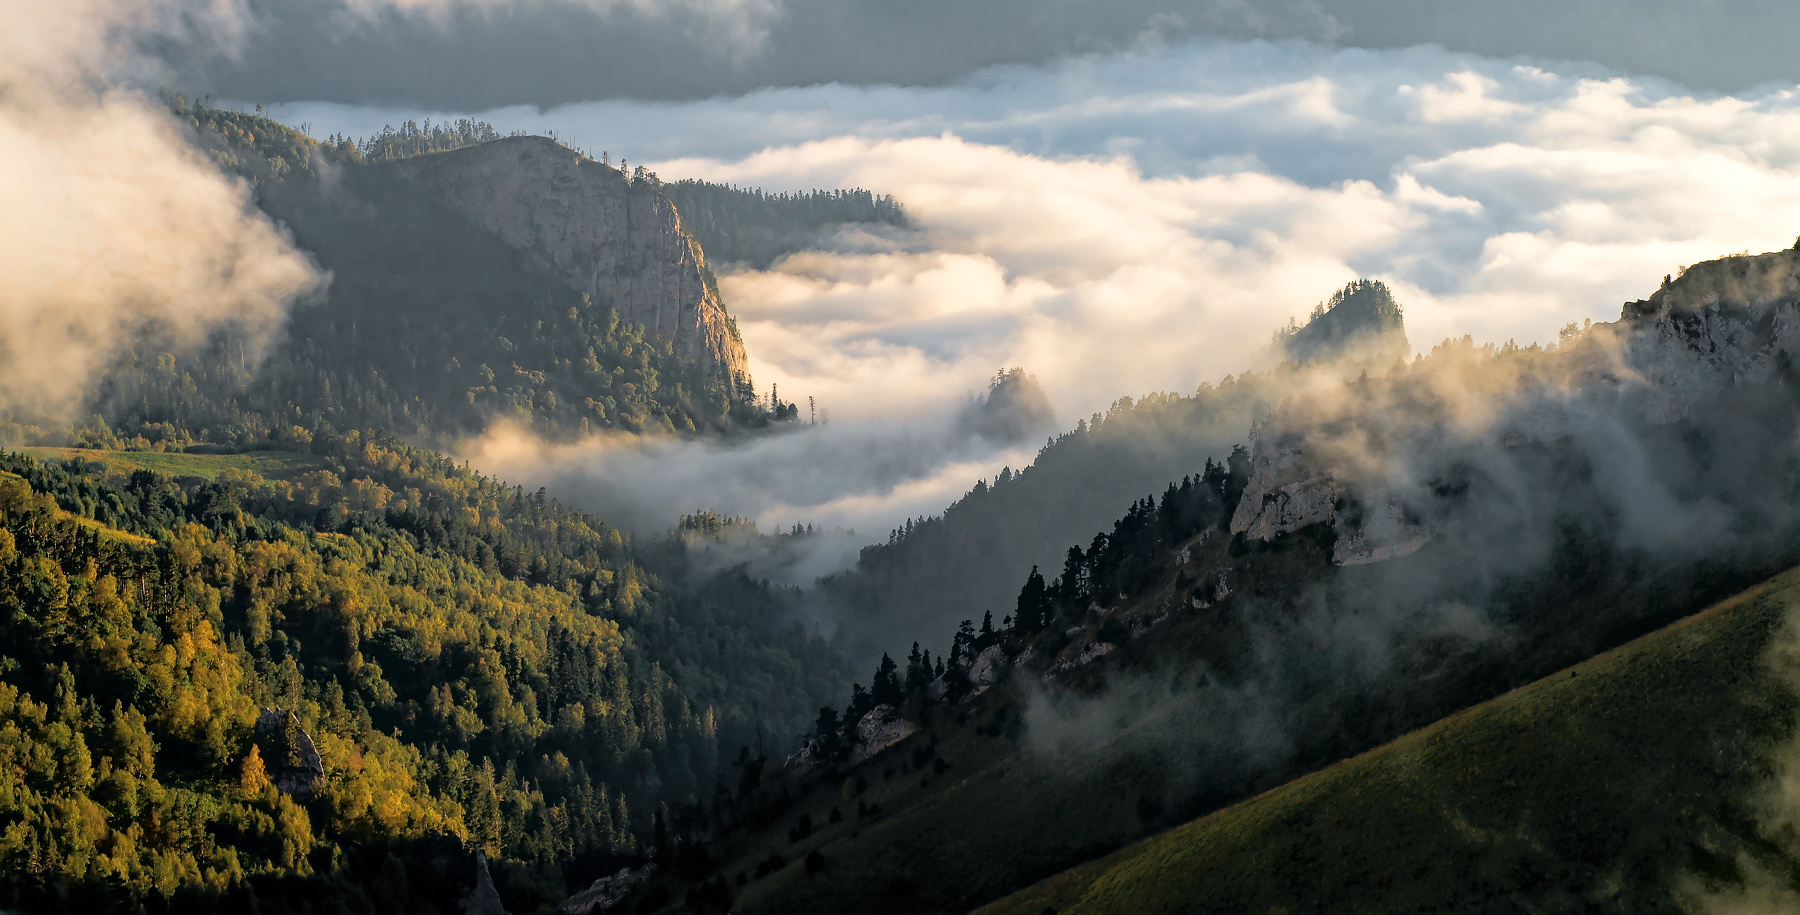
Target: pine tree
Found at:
918, 671
1033, 605
828, 730
885, 688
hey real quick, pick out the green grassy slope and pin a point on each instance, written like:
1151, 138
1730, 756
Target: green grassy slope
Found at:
1617, 785
273, 465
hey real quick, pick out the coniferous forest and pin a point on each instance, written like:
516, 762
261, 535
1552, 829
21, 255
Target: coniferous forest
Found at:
473, 668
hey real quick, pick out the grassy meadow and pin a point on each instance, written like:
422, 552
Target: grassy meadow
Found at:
274, 465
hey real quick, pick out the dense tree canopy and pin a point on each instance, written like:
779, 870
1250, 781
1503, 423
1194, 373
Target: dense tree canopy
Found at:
470, 661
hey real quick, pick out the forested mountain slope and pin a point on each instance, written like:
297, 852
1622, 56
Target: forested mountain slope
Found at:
934, 572
1361, 321
437, 320
305, 666
753, 228
475, 668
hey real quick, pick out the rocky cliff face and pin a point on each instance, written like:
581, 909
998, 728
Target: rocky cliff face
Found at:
618, 240
1723, 324
1372, 460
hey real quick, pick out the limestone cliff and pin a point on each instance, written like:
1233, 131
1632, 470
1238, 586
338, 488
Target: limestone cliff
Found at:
1724, 323
618, 240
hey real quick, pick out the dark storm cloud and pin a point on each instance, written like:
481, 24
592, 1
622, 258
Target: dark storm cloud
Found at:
477, 54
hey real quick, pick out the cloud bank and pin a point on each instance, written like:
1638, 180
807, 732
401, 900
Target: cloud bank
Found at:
111, 224
842, 477
1144, 221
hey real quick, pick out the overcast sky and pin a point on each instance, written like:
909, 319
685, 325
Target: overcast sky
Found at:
479, 54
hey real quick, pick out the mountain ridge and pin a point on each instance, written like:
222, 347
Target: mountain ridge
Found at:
612, 236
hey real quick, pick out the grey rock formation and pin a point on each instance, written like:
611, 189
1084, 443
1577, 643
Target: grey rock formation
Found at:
985, 670
881, 728
606, 893
1725, 323
618, 240
277, 729
483, 898
805, 760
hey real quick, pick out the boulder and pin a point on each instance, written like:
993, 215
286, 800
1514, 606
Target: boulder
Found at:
306, 773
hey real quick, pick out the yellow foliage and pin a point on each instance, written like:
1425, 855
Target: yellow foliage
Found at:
252, 777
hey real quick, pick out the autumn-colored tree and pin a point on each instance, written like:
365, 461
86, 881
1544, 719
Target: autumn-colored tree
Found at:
252, 778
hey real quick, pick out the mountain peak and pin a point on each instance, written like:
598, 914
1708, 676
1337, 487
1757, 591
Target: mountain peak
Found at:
1362, 320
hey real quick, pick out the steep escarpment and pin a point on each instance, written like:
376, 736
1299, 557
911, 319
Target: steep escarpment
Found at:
1723, 324
618, 240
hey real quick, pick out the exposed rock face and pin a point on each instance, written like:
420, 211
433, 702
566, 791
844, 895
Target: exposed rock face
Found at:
483, 898
881, 728
985, 670
808, 758
276, 728
1725, 324
1090, 653
618, 240
606, 893
1282, 508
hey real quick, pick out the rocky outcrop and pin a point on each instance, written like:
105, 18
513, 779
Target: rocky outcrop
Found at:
1089, 653
606, 893
806, 760
985, 670
619, 240
294, 767
1725, 323
1282, 508
482, 898
881, 728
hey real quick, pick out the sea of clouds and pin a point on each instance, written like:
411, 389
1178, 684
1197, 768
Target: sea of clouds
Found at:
1145, 220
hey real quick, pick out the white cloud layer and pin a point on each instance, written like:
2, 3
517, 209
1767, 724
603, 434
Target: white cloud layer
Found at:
1144, 221
853, 479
